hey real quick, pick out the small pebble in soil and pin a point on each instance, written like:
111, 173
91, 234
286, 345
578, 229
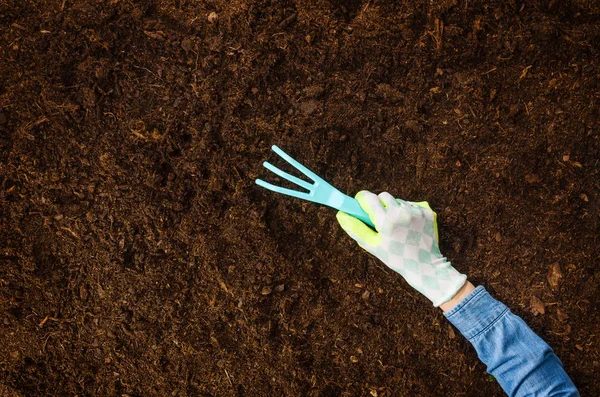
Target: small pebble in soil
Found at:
187, 44
537, 305
554, 276
266, 290
213, 17
314, 91
309, 107
562, 315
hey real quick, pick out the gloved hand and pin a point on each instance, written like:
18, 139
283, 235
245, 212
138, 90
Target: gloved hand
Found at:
406, 240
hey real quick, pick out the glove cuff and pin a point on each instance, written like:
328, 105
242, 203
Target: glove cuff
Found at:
449, 282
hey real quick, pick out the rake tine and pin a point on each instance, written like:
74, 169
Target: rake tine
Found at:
282, 190
287, 176
296, 164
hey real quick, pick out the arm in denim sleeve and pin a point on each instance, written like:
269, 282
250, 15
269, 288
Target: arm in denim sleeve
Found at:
522, 363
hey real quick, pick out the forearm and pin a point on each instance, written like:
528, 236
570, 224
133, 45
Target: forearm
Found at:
462, 293
521, 361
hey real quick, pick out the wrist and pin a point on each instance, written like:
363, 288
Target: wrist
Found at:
461, 294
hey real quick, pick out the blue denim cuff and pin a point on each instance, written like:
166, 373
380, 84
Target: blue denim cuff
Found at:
476, 313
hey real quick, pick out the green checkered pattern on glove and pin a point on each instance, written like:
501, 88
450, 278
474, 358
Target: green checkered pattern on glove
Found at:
406, 240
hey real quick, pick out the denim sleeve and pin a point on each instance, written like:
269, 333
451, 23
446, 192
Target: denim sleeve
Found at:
522, 363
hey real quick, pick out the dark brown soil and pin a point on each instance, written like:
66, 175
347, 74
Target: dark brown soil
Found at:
138, 258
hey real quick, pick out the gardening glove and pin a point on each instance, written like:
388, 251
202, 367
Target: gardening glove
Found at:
406, 240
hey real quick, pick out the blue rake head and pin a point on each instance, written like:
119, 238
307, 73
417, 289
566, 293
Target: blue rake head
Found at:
319, 191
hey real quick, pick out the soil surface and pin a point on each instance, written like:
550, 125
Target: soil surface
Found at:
138, 257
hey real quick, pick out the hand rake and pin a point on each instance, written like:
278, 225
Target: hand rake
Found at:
319, 191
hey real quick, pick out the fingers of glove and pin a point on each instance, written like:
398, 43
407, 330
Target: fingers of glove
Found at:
388, 200
372, 206
404, 204
425, 205
399, 214
415, 208
361, 233
393, 215
431, 215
